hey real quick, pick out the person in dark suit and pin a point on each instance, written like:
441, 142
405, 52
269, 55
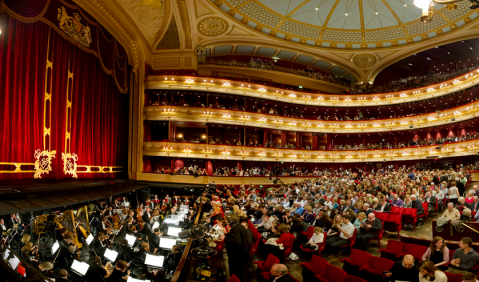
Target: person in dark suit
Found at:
431, 200
97, 245
236, 247
3, 229
124, 251
139, 257
474, 205
280, 273
154, 240
63, 276
95, 271
416, 204
383, 206
460, 188
147, 215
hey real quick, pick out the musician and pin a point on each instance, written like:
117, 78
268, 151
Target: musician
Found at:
147, 215
156, 200
139, 257
3, 230
71, 255
63, 276
124, 251
176, 200
168, 199
146, 228
187, 202
66, 242
108, 212
120, 273
130, 226
103, 226
154, 240
117, 204
98, 244
29, 253
13, 221
139, 210
131, 214
173, 258
96, 272
45, 268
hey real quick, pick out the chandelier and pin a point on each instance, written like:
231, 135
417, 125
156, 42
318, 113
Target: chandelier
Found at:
428, 11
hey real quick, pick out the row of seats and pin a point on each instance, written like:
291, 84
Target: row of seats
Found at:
320, 269
264, 267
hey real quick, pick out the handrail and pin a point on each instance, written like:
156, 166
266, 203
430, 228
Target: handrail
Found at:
184, 257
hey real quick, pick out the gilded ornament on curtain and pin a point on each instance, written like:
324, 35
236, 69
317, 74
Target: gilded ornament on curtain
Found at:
43, 164
73, 27
70, 164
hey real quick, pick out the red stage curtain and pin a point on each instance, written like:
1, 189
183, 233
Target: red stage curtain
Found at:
97, 120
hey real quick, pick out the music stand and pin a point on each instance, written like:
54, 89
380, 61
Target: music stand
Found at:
55, 247
79, 267
111, 255
154, 261
155, 225
173, 231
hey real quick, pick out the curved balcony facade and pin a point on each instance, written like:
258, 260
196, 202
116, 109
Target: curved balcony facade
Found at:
459, 83
209, 151
232, 117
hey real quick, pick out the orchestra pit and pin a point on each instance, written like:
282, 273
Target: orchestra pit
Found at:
239, 140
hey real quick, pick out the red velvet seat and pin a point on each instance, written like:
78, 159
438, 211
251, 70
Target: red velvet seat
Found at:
233, 278
425, 207
265, 266
321, 246
381, 215
453, 277
351, 241
253, 249
317, 265
409, 216
396, 210
393, 223
357, 260
415, 250
392, 249
288, 247
308, 233
332, 274
380, 235
351, 278
376, 266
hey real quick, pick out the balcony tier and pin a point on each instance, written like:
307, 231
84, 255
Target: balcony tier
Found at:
209, 151
335, 100
179, 113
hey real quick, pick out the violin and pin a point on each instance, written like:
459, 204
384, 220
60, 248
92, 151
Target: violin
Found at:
164, 207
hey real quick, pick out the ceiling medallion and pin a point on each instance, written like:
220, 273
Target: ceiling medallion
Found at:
272, 33
364, 60
231, 12
212, 26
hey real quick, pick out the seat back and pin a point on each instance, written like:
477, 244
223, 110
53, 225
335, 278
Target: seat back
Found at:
333, 273
379, 263
319, 263
381, 215
233, 278
322, 246
396, 210
415, 250
269, 262
396, 246
310, 231
425, 206
290, 242
453, 277
394, 218
360, 257
257, 237
410, 211
351, 278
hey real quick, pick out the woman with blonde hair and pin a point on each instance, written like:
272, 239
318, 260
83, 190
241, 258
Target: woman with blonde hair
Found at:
429, 272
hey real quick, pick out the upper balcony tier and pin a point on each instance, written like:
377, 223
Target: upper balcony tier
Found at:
179, 113
209, 151
218, 85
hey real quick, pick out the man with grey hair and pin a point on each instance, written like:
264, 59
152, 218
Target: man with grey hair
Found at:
279, 273
416, 204
476, 190
451, 213
366, 209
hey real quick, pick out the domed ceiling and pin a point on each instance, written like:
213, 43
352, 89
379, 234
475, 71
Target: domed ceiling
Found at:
346, 23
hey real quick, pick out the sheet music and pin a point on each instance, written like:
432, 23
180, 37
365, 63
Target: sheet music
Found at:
173, 231
155, 225
14, 261
167, 243
80, 267
55, 247
131, 279
89, 239
5, 255
156, 261
111, 255
131, 239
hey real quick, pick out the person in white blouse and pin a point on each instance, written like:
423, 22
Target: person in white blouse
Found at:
318, 237
429, 272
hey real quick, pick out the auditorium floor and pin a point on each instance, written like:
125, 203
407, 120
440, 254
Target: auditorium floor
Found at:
423, 230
